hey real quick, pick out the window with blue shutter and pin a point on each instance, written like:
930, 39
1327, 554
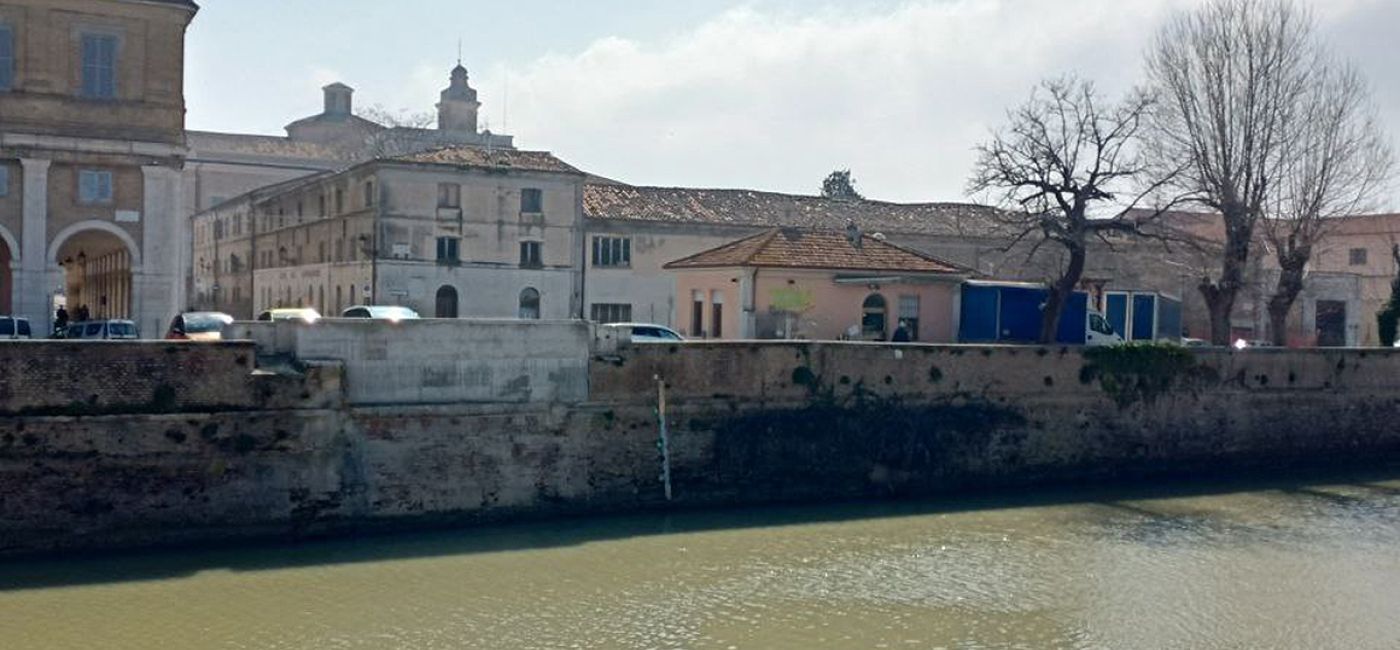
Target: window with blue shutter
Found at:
99, 66
94, 187
7, 58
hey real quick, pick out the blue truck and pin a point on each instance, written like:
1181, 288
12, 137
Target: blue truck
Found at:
1010, 312
1144, 315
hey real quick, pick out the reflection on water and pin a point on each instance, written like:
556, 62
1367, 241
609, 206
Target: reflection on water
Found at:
1312, 566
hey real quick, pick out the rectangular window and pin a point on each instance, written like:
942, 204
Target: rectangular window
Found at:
369, 194
716, 315
531, 201
321, 205
94, 187
697, 314
531, 254
909, 316
611, 313
1357, 256
612, 252
7, 58
4, 180
447, 249
449, 195
99, 66
339, 201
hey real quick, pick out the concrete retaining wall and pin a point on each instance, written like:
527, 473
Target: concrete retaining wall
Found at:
750, 423
440, 361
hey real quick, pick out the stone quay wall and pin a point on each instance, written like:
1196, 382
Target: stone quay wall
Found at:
748, 422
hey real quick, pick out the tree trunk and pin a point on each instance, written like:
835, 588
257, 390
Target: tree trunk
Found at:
1220, 295
1060, 291
1290, 284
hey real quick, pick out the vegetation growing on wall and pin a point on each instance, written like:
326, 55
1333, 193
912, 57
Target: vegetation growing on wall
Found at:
1142, 371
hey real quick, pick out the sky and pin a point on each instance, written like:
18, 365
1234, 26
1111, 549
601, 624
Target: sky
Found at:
761, 94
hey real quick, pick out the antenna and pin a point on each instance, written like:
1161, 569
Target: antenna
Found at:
459, 50
505, 105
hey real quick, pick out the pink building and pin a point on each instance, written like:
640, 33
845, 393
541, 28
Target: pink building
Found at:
803, 284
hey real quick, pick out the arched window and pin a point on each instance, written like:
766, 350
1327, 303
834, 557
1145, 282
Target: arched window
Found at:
446, 302
872, 322
530, 304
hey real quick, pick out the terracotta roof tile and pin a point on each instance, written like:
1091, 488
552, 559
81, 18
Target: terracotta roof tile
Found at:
815, 249
755, 208
473, 156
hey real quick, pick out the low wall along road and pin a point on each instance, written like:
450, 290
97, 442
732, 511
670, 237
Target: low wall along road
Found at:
358, 426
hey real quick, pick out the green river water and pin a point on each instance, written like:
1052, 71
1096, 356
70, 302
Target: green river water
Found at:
1311, 564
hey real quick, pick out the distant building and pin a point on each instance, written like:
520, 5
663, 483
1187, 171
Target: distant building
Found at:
92, 135
791, 283
455, 231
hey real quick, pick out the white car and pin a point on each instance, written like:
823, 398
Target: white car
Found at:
648, 332
392, 313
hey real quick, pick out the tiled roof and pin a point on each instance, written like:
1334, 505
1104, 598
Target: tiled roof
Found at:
755, 208
470, 156
188, 4
815, 249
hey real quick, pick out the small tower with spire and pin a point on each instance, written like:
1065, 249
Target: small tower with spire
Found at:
458, 106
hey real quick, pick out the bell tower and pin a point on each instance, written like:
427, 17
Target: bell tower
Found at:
458, 106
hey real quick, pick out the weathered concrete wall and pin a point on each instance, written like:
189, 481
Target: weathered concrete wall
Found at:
440, 361
750, 422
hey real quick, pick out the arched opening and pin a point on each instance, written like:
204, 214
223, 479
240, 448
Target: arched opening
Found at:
446, 304
873, 318
97, 268
530, 304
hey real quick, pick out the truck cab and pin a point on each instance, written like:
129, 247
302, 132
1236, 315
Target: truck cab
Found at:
1098, 331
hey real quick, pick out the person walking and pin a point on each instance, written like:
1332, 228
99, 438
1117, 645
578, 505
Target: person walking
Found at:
60, 321
83, 313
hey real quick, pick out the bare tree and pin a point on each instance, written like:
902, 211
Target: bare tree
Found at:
1066, 170
1336, 161
1232, 77
840, 185
391, 133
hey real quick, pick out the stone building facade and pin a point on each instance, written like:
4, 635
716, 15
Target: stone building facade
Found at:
450, 232
92, 117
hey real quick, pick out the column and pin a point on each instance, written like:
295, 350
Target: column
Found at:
31, 297
158, 279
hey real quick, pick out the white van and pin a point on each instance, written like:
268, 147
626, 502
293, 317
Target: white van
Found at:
13, 327
103, 329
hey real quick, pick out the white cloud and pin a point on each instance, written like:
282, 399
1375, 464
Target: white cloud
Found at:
775, 99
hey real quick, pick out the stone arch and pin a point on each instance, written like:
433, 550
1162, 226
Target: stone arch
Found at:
93, 224
9, 241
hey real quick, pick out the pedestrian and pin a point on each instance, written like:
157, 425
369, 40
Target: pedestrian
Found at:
83, 314
60, 321
901, 333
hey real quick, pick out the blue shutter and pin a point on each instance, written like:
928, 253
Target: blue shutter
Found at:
7, 58
87, 193
99, 65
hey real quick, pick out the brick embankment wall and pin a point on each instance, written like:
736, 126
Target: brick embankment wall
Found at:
749, 423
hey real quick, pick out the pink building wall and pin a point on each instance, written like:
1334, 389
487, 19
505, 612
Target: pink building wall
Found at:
828, 309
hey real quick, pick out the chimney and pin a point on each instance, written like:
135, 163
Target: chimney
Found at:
853, 233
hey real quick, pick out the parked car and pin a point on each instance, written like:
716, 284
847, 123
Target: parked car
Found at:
304, 314
647, 332
114, 329
198, 326
393, 313
13, 327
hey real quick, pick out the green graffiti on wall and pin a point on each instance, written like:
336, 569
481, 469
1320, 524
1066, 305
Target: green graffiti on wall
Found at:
790, 299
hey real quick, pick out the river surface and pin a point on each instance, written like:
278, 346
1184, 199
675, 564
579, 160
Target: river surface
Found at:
1313, 564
